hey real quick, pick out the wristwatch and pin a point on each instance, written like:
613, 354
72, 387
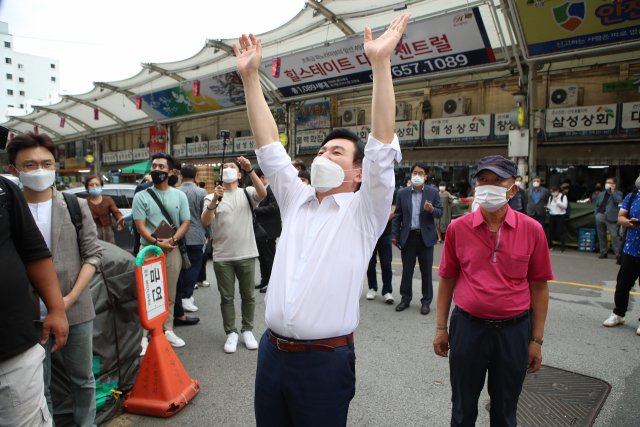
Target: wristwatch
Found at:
175, 242
155, 243
537, 341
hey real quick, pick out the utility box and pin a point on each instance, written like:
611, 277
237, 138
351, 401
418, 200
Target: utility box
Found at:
519, 143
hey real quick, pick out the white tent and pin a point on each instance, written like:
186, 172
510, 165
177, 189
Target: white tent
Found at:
317, 24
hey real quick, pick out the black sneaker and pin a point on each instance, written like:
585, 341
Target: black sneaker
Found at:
603, 256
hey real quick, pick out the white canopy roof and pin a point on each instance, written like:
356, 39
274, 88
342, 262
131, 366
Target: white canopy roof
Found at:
315, 25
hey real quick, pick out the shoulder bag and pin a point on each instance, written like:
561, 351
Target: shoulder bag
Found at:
186, 263
258, 229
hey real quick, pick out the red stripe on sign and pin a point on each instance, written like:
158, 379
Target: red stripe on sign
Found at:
492, 57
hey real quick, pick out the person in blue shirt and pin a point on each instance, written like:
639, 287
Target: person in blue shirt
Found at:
630, 268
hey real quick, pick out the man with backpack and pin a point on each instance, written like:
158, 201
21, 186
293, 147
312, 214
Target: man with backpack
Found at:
67, 226
557, 207
156, 210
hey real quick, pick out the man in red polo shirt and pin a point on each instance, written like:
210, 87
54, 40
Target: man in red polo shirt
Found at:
495, 267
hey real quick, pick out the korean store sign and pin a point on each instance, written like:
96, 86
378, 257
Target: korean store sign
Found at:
432, 45
457, 128
592, 120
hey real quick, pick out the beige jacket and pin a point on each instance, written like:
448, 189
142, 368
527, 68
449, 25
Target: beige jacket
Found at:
66, 257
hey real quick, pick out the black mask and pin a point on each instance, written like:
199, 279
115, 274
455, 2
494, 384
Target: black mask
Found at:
173, 180
598, 188
158, 177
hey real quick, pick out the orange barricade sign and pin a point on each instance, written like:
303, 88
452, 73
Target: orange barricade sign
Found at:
162, 386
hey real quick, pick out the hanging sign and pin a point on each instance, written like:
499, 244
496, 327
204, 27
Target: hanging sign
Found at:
198, 149
180, 150
141, 154
35, 130
592, 120
62, 120
408, 132
245, 144
157, 140
138, 102
196, 88
96, 114
311, 139
464, 128
442, 43
314, 115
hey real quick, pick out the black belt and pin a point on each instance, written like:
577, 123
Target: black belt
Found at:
496, 323
416, 232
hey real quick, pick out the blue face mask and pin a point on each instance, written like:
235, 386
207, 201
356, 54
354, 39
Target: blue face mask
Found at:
95, 191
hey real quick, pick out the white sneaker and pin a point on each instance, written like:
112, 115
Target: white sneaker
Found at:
195, 286
388, 298
249, 340
371, 294
614, 320
187, 305
638, 331
144, 344
174, 340
205, 284
232, 343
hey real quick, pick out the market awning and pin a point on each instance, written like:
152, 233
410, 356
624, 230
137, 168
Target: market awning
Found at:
139, 168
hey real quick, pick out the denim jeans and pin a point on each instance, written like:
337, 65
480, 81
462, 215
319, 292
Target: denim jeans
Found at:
77, 355
384, 249
190, 276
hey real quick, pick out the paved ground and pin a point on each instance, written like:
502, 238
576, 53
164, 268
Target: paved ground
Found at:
399, 379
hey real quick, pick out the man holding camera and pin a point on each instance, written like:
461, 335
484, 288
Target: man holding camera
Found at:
230, 209
306, 365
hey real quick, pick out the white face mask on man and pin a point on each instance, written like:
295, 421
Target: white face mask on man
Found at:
417, 180
491, 197
327, 175
229, 175
536, 184
38, 180
442, 188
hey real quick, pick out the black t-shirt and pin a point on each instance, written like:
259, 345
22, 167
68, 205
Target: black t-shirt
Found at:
20, 241
387, 230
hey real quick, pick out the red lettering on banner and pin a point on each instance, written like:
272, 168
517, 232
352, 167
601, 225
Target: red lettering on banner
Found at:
359, 58
421, 47
441, 43
292, 75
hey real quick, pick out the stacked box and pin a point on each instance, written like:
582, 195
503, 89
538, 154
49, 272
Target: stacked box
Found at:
209, 175
586, 239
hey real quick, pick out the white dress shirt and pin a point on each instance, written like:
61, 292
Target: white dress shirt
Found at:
325, 248
558, 207
42, 214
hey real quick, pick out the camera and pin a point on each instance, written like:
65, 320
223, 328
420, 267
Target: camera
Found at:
4, 134
225, 134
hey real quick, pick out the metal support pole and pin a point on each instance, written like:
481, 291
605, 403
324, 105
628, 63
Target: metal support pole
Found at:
291, 128
533, 110
96, 157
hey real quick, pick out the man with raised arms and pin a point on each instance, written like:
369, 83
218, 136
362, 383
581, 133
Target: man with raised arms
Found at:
306, 362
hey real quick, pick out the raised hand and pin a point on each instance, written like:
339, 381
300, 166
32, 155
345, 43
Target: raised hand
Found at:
382, 47
244, 163
251, 56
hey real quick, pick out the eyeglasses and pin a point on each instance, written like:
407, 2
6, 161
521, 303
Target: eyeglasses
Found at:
414, 173
31, 166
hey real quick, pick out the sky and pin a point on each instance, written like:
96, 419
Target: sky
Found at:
107, 41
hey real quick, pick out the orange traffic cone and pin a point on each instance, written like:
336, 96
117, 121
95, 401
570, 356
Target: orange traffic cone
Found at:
162, 386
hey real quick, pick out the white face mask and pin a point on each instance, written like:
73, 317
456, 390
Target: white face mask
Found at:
38, 180
491, 197
327, 175
417, 180
638, 183
519, 184
442, 188
608, 186
536, 184
229, 175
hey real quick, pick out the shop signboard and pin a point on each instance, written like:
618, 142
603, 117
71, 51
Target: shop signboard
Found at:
180, 150
216, 148
77, 162
110, 158
125, 156
309, 140
437, 44
140, 154
362, 131
408, 132
279, 115
577, 24
243, 145
157, 140
464, 128
224, 90
61, 155
592, 120
314, 115
198, 149
79, 148
630, 117
502, 125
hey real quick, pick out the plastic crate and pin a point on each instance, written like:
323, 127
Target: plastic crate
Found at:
587, 233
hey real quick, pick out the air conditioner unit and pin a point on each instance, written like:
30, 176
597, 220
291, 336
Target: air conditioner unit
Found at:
400, 112
453, 107
563, 96
194, 138
350, 117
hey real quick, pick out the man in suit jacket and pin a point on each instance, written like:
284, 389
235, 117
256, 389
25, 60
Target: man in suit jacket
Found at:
415, 230
267, 214
519, 201
75, 255
537, 197
606, 213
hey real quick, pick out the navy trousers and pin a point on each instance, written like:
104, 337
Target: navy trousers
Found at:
190, 276
474, 350
384, 249
311, 389
415, 247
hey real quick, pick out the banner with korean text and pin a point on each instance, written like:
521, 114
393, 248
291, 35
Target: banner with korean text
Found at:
464, 128
630, 117
442, 43
140, 154
408, 132
244, 145
310, 140
198, 149
578, 121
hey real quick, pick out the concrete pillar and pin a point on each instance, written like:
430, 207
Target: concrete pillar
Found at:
533, 110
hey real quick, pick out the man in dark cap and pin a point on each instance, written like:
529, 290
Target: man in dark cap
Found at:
495, 266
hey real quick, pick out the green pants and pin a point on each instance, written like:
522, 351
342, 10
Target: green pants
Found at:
226, 273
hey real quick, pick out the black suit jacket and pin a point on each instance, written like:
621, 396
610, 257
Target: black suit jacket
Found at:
403, 214
268, 214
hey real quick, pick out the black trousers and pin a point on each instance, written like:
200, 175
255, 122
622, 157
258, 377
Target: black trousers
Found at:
266, 254
556, 225
476, 350
627, 276
415, 247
